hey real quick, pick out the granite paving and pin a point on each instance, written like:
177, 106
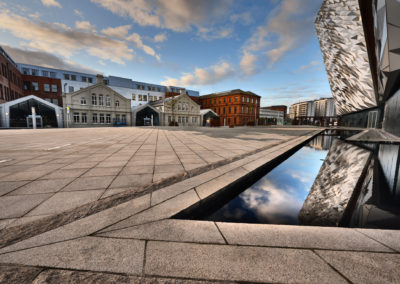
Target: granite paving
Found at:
119, 226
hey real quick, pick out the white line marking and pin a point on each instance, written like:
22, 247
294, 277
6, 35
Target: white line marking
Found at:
58, 147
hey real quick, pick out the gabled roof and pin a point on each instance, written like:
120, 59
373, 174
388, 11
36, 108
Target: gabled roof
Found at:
23, 99
100, 84
139, 108
206, 110
162, 102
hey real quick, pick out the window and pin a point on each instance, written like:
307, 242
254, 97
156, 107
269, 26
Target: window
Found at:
66, 76
234, 110
117, 118
94, 118
46, 87
35, 86
223, 110
45, 73
94, 99
179, 119
84, 79
229, 99
123, 118
117, 103
133, 97
215, 101
25, 71
252, 100
52, 74
108, 118
47, 100
169, 119
26, 85
236, 99
73, 77
101, 102
84, 117
160, 98
229, 110
1, 92
159, 89
193, 119
179, 106
76, 117
242, 99
149, 88
248, 99
83, 100
35, 72
108, 101
101, 118
90, 80
70, 89
150, 98
54, 88
140, 98
145, 98
242, 109
55, 101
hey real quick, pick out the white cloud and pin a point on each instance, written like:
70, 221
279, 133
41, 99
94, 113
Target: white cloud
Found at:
177, 15
51, 3
137, 40
78, 13
203, 76
45, 59
248, 64
214, 33
64, 40
160, 37
85, 26
118, 32
310, 65
244, 18
288, 27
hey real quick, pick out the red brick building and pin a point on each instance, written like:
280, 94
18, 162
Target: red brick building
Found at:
235, 107
46, 88
10, 79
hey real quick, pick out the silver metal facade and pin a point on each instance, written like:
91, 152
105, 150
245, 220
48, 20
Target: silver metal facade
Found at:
341, 36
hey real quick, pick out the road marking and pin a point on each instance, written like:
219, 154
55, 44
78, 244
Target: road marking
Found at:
3, 161
58, 147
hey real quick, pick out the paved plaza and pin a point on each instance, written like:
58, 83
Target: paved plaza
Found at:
95, 205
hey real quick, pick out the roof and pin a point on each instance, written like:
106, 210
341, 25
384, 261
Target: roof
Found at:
26, 98
100, 84
227, 93
206, 110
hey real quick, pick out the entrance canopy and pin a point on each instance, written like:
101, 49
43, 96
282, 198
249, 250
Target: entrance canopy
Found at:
142, 116
16, 112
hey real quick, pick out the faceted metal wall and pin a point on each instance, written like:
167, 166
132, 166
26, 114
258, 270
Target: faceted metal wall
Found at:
386, 15
341, 37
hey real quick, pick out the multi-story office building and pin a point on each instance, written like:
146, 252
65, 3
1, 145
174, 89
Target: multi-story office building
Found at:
281, 108
235, 107
139, 93
10, 78
319, 112
271, 117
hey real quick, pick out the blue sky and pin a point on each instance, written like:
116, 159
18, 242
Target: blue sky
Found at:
268, 47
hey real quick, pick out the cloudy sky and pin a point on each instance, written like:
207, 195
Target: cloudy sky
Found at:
265, 46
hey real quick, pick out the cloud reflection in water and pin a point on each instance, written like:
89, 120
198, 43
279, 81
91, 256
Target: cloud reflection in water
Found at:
278, 196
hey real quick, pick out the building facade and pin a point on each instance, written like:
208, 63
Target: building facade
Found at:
271, 117
281, 108
10, 78
46, 88
235, 107
181, 109
316, 112
94, 106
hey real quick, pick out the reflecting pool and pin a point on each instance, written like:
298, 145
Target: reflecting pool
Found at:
278, 197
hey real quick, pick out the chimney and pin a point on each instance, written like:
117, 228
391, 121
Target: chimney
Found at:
99, 78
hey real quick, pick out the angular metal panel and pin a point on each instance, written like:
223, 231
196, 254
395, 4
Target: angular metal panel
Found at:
341, 37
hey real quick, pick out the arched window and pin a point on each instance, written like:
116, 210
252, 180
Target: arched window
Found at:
94, 99
101, 102
117, 103
108, 101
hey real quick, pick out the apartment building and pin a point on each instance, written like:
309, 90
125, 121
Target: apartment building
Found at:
10, 79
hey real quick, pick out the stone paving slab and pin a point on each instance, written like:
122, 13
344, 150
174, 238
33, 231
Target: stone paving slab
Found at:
85, 226
123, 154
171, 230
89, 253
253, 264
365, 267
298, 237
17, 206
390, 238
